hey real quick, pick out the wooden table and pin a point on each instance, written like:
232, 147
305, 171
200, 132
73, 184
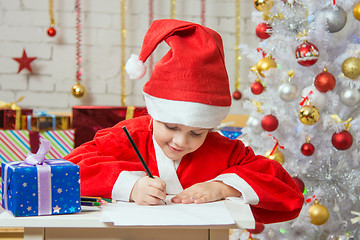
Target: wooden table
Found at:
86, 225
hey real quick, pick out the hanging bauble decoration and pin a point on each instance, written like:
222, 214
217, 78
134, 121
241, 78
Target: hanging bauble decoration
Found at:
356, 11
263, 5
237, 95
324, 81
335, 18
263, 30
316, 98
259, 227
257, 87
319, 214
269, 123
51, 30
307, 54
287, 90
276, 155
350, 96
342, 140
78, 90
264, 64
299, 183
254, 124
307, 148
309, 114
351, 67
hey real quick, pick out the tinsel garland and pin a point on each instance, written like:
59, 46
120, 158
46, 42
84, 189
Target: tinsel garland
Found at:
173, 9
151, 19
237, 43
123, 60
203, 8
78, 41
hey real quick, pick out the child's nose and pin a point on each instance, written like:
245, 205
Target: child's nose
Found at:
180, 139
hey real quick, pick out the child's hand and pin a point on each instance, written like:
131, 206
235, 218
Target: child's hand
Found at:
148, 191
206, 192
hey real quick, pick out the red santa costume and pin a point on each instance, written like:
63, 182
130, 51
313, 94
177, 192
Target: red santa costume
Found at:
188, 86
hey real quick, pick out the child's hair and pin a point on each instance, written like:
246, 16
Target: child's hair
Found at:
189, 85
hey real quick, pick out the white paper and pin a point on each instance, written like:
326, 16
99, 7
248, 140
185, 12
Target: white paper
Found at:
131, 214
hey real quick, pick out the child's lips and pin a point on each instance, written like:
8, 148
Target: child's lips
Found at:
175, 149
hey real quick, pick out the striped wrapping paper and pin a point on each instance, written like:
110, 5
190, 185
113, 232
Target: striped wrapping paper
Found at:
62, 142
15, 145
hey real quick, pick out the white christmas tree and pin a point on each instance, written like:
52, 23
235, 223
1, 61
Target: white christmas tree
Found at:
304, 110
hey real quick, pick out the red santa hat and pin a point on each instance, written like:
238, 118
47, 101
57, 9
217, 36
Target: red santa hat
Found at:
189, 85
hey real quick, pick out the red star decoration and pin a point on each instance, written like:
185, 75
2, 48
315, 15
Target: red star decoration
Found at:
24, 62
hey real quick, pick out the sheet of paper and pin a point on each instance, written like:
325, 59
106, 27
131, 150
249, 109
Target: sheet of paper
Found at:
131, 214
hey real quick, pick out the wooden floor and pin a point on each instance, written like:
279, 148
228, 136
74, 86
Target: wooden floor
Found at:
11, 233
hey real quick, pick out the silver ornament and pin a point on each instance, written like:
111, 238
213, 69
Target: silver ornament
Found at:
288, 91
254, 124
335, 17
350, 97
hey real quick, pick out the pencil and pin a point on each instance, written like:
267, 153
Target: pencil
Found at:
90, 199
138, 154
85, 203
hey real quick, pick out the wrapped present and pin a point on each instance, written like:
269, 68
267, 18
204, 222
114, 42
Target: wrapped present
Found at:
15, 144
10, 114
43, 121
231, 132
87, 120
37, 186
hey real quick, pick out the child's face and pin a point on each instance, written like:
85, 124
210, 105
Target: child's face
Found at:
176, 140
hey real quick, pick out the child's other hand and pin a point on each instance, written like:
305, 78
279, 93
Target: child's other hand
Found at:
148, 191
206, 192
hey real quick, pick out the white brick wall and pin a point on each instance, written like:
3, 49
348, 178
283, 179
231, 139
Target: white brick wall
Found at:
23, 24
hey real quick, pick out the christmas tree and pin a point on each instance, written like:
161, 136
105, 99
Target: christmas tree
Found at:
304, 106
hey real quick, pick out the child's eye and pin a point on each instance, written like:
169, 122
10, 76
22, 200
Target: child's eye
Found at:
170, 127
196, 134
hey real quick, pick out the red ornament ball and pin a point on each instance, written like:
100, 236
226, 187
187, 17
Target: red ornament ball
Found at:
237, 95
307, 149
259, 227
51, 31
299, 183
307, 54
257, 88
342, 140
325, 82
263, 30
269, 123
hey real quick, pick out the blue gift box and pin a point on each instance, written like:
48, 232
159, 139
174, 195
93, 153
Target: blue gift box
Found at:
46, 187
231, 132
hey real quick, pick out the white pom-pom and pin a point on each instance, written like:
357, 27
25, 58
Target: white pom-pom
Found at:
135, 67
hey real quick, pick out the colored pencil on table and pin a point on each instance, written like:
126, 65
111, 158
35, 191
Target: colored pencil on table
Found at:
84, 203
90, 199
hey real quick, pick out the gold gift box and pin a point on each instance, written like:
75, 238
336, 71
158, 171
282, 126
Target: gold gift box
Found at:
45, 123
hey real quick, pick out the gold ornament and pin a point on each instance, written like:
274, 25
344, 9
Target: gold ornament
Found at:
309, 115
263, 5
356, 11
263, 65
319, 214
78, 90
277, 155
351, 67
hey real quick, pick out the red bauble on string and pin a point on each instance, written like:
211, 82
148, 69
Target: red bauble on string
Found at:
263, 30
342, 140
237, 95
51, 31
307, 54
299, 183
259, 227
307, 149
269, 123
257, 88
325, 81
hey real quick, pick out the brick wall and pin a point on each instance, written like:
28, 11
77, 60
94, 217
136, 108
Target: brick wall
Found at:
23, 24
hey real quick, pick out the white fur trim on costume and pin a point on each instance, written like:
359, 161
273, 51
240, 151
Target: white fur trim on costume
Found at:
186, 113
233, 180
124, 184
135, 67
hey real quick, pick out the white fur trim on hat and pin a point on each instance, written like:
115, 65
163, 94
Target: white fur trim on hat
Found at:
135, 67
191, 114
